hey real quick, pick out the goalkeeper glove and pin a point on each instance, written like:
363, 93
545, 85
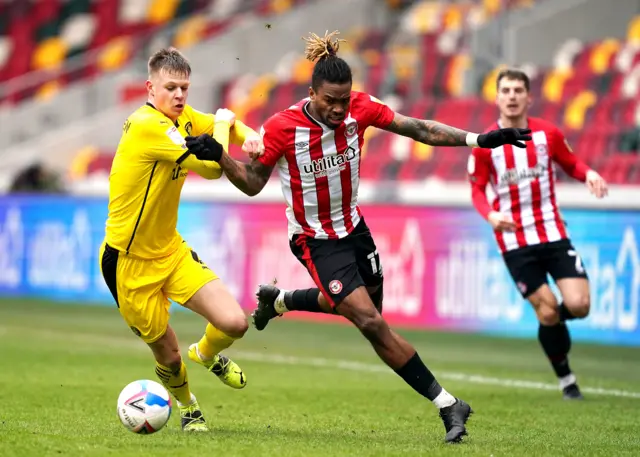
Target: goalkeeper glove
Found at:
500, 137
204, 147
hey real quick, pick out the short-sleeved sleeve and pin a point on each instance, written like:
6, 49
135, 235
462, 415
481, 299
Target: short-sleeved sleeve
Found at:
374, 112
272, 133
479, 166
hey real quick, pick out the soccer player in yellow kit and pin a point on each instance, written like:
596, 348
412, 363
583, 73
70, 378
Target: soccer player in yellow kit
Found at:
143, 259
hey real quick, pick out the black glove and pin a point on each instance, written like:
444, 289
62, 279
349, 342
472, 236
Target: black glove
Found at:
204, 147
500, 137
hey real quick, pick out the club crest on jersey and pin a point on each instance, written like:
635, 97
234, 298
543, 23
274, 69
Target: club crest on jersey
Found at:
542, 149
351, 129
335, 287
188, 127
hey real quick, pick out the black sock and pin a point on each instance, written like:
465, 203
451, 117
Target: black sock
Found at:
303, 300
417, 375
565, 314
556, 343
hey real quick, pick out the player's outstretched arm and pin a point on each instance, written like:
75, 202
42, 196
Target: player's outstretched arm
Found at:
250, 178
436, 133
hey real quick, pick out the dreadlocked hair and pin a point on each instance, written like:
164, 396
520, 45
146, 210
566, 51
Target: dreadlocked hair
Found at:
328, 66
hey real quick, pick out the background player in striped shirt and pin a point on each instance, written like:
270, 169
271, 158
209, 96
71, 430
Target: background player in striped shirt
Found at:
528, 226
316, 145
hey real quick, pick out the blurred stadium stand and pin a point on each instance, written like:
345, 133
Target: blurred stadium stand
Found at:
71, 71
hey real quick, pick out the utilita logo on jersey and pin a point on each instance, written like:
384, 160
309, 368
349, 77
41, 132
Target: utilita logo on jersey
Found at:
330, 164
514, 175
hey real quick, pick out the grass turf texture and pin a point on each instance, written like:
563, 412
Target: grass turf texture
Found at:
313, 390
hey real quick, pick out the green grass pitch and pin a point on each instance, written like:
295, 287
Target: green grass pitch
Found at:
313, 390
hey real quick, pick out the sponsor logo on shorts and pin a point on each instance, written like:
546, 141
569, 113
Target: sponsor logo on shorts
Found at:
335, 287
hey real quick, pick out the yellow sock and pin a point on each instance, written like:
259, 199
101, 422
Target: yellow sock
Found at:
213, 341
177, 383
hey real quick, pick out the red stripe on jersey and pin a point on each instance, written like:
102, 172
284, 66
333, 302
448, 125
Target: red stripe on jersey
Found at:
496, 207
536, 194
296, 188
361, 147
311, 268
552, 191
345, 179
514, 194
322, 183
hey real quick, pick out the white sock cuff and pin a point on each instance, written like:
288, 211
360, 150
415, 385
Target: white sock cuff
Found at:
444, 399
567, 380
279, 304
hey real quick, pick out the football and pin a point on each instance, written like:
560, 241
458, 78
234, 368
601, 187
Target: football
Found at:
144, 407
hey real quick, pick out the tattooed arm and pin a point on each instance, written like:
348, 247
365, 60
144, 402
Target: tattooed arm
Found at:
428, 132
250, 178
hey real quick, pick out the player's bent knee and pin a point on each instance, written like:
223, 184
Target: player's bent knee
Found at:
579, 306
235, 326
548, 315
372, 327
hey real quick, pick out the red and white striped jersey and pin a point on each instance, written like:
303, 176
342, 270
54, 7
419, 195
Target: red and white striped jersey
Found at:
523, 181
319, 167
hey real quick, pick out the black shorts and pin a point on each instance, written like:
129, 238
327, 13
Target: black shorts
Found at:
530, 265
338, 267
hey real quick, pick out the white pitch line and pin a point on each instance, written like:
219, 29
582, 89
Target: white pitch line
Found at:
461, 377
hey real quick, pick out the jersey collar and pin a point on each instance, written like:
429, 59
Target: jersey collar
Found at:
176, 123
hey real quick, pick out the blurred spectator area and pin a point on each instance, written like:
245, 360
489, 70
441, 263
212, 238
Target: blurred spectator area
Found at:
589, 89
57, 42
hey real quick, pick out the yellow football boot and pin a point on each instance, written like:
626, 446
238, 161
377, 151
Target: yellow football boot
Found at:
223, 367
191, 417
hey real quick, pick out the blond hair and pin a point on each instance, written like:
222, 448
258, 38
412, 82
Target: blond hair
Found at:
319, 47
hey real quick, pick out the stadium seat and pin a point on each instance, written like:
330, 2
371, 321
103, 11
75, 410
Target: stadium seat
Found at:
48, 90
160, 11
77, 32
49, 54
576, 110
133, 11
190, 32
602, 55
553, 86
115, 54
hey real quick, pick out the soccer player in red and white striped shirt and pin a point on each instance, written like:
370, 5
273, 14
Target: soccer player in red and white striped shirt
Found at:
316, 147
529, 229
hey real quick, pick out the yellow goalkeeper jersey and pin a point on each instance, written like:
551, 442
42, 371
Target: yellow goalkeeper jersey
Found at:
147, 175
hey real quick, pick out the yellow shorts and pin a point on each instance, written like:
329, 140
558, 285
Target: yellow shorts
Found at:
142, 288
